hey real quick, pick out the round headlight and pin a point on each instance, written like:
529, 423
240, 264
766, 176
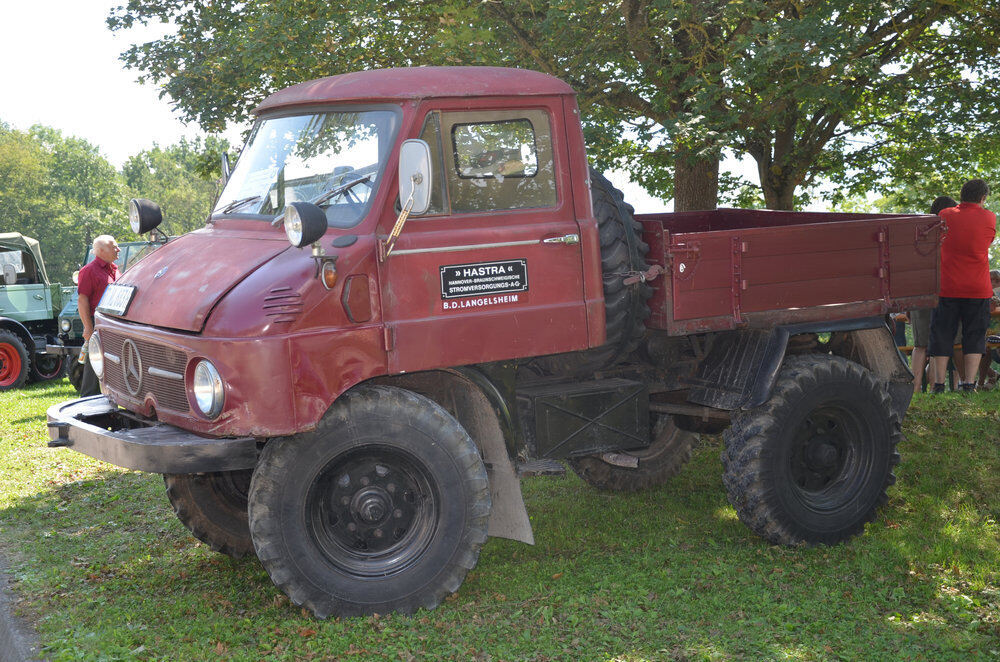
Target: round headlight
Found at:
95, 355
207, 388
293, 225
133, 215
65, 325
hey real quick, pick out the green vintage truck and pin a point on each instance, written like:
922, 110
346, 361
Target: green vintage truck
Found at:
28, 307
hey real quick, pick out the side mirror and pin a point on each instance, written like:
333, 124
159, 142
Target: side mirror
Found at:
305, 223
143, 215
415, 175
226, 170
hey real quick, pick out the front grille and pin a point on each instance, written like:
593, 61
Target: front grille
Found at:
169, 393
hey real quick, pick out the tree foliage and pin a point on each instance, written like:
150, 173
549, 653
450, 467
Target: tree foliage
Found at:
61, 191
810, 88
181, 178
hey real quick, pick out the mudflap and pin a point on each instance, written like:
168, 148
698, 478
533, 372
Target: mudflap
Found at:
740, 368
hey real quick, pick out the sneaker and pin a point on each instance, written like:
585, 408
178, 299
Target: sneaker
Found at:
938, 388
968, 387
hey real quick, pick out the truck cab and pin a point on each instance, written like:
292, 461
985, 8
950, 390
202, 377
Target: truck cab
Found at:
509, 222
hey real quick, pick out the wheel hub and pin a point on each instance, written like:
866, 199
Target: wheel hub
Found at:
10, 365
820, 450
822, 454
371, 505
371, 514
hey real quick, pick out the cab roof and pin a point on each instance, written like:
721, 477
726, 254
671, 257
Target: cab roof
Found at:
417, 83
15, 241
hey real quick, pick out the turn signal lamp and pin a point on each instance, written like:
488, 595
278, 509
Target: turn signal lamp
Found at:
329, 274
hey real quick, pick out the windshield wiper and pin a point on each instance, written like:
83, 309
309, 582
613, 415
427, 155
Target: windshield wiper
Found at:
343, 188
236, 204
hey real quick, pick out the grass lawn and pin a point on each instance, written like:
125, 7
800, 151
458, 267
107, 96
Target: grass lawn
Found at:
106, 572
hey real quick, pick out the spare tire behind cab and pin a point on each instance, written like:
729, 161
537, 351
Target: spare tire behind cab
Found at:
625, 306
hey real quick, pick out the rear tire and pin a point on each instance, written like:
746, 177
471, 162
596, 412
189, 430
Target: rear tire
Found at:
213, 507
670, 450
45, 367
625, 306
813, 464
14, 361
383, 507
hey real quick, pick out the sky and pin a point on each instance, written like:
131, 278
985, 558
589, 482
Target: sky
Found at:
61, 69
70, 78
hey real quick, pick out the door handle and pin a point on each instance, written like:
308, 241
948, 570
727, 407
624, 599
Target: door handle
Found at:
565, 239
39, 297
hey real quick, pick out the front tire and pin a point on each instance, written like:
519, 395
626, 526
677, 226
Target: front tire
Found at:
384, 507
213, 507
813, 464
670, 450
14, 361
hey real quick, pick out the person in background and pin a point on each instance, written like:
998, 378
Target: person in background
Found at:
93, 279
987, 375
965, 284
920, 321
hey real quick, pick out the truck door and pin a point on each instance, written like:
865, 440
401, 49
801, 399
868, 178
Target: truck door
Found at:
493, 270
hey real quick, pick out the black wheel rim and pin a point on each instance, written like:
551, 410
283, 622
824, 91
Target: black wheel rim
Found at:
372, 512
831, 458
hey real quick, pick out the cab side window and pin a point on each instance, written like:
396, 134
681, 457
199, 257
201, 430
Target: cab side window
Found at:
490, 160
499, 160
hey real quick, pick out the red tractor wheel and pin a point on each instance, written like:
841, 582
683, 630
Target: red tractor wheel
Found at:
13, 361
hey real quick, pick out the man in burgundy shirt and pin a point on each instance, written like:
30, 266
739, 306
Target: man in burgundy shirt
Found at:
92, 280
965, 283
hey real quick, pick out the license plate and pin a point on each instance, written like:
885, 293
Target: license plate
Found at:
116, 299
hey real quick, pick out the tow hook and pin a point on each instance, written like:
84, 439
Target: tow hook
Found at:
63, 439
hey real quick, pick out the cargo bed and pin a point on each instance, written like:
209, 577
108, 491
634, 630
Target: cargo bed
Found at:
736, 268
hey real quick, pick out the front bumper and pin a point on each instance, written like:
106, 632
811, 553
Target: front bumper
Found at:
65, 350
95, 427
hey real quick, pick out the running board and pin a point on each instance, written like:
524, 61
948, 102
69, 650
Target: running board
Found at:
541, 468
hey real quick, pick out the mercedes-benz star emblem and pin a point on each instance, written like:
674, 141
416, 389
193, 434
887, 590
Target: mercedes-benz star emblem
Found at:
131, 367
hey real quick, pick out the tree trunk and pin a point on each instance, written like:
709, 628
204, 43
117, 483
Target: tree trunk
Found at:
696, 181
778, 194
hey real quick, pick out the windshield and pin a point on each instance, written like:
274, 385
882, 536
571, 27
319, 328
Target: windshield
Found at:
302, 157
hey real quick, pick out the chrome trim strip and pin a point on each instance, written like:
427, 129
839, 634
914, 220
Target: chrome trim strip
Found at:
452, 249
164, 373
112, 358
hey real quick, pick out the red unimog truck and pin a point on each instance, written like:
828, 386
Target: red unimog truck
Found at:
412, 291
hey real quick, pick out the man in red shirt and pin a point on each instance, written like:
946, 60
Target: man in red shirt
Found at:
965, 283
92, 280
